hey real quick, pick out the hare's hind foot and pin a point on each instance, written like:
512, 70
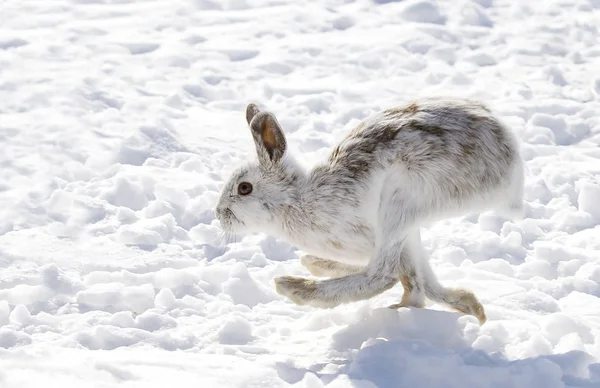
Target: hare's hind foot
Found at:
328, 268
466, 302
458, 299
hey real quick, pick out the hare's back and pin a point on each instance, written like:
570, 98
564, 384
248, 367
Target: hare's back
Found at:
447, 140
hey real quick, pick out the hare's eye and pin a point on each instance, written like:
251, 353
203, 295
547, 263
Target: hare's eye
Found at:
244, 188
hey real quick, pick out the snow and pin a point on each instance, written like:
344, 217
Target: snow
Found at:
120, 121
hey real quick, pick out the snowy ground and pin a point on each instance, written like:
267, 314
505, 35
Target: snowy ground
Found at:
120, 120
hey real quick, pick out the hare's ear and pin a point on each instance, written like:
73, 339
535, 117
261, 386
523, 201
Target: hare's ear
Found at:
251, 111
268, 136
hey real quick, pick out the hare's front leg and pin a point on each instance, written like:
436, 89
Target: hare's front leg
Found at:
328, 268
384, 270
412, 277
387, 266
301, 290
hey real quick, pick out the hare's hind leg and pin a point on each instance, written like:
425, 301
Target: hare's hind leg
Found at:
457, 298
511, 197
328, 268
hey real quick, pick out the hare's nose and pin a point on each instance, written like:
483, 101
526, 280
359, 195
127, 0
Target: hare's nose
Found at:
220, 211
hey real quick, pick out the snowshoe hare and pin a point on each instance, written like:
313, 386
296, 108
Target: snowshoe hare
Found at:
358, 214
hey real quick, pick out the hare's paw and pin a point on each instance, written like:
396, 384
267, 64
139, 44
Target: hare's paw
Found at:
414, 295
466, 302
406, 304
313, 264
301, 291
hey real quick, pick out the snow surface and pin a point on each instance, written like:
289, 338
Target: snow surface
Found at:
120, 120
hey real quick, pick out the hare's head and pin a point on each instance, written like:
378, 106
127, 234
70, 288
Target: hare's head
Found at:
255, 195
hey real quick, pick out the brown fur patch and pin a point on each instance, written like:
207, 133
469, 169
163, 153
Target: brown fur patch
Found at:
269, 134
431, 129
408, 288
397, 112
468, 149
356, 154
336, 244
411, 109
408, 283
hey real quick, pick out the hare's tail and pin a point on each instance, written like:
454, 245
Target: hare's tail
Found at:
513, 208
